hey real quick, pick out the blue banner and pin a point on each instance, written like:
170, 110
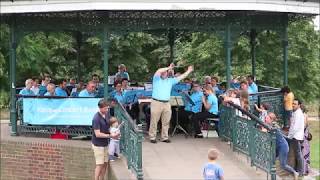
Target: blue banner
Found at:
64, 111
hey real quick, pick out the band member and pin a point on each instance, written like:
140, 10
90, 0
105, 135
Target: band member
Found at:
192, 107
160, 106
210, 102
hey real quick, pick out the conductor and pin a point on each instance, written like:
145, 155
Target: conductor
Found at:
160, 105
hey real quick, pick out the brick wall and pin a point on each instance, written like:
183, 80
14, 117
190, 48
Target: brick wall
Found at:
42, 160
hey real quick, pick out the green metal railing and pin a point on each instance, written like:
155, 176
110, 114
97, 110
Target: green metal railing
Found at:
246, 137
271, 96
131, 141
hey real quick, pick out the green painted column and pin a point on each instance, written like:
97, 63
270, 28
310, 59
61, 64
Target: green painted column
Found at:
139, 152
12, 74
285, 55
105, 47
78, 37
253, 43
273, 168
228, 47
171, 37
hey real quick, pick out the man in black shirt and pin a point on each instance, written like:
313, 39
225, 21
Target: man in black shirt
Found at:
100, 138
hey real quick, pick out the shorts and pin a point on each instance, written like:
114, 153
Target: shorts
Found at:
100, 154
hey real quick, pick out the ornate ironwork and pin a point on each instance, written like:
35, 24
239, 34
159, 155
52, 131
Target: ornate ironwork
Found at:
275, 101
263, 154
25, 129
225, 122
131, 141
248, 138
77, 131
137, 21
241, 134
271, 96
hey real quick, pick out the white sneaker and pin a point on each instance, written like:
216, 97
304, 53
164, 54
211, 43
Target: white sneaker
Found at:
296, 175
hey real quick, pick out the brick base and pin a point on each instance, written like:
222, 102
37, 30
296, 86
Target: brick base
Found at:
41, 160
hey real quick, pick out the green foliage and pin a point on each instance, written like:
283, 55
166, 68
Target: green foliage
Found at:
204, 51
4, 99
304, 60
315, 144
4, 57
143, 53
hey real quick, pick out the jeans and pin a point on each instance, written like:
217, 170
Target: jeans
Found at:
283, 157
296, 145
114, 147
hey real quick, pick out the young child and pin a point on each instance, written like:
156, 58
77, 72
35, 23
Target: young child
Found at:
263, 111
211, 170
114, 146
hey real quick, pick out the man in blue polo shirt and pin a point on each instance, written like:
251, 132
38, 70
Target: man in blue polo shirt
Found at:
160, 106
90, 90
61, 89
43, 87
252, 88
195, 106
100, 138
27, 90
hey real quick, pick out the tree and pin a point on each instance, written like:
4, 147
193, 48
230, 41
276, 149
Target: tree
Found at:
143, 53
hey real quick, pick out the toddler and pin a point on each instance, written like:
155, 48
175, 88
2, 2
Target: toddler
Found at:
211, 170
114, 146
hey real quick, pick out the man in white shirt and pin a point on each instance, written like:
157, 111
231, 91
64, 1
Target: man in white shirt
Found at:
296, 133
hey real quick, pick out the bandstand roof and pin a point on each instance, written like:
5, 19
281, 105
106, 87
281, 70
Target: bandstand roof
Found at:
287, 6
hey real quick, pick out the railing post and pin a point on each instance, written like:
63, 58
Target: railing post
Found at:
139, 153
78, 37
171, 37
253, 43
251, 141
13, 52
228, 46
105, 47
285, 51
273, 155
233, 131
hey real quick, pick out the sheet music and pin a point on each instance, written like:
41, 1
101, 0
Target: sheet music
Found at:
145, 100
111, 79
176, 101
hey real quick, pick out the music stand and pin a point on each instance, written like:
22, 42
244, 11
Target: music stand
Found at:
177, 101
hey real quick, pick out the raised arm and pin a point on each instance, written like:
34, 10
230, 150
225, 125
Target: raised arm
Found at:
185, 74
161, 70
257, 108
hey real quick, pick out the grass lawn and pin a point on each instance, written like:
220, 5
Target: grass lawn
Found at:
315, 144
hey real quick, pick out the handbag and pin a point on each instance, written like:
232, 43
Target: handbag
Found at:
309, 137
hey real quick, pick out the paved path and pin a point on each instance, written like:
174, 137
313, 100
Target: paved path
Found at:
184, 158
180, 160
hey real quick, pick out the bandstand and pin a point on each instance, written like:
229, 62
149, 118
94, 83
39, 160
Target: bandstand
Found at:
228, 19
